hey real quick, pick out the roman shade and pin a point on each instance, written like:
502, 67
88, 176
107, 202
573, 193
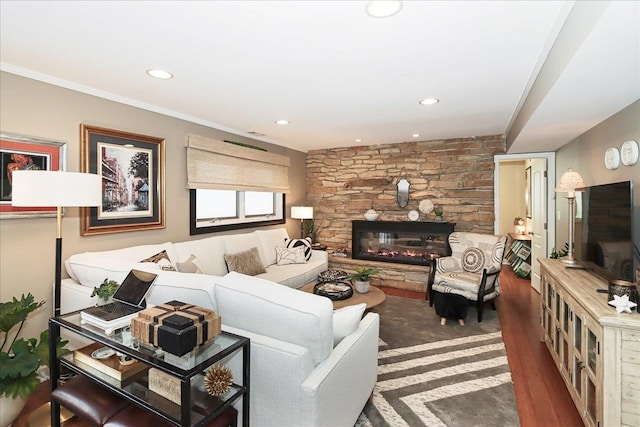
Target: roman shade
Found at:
219, 165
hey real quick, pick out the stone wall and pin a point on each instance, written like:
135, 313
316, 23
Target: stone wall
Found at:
456, 174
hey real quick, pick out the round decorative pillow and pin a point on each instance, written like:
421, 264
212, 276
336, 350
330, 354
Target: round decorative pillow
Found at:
331, 276
473, 260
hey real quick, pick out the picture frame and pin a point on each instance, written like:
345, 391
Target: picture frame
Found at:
527, 191
133, 180
21, 152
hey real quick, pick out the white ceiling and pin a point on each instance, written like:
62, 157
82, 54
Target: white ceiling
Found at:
552, 68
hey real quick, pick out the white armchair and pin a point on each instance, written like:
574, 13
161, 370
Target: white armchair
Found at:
472, 269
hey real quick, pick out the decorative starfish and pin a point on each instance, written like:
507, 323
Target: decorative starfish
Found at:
622, 303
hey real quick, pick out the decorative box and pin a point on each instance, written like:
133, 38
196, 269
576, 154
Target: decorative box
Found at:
176, 327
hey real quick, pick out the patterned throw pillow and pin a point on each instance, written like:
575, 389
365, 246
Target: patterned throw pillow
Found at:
306, 243
473, 260
189, 265
247, 262
286, 256
162, 260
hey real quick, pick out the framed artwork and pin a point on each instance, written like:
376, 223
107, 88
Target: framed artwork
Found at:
527, 191
19, 152
132, 171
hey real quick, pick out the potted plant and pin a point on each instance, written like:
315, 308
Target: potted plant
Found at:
311, 229
20, 359
438, 211
361, 278
106, 290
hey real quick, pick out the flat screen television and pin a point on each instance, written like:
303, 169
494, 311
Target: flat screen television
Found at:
605, 239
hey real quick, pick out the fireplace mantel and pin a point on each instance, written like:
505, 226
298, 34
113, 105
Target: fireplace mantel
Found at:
405, 242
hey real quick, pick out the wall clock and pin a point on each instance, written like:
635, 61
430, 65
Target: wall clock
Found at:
629, 153
612, 158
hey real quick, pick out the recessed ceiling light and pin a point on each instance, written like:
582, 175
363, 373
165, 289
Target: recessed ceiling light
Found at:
429, 101
282, 122
383, 8
358, 140
160, 74
415, 135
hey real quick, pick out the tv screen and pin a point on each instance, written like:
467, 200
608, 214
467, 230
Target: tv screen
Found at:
606, 238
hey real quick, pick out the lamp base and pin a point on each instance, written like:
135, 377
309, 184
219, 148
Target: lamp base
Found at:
41, 417
569, 261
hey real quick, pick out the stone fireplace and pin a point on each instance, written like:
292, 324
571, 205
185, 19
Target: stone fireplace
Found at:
404, 242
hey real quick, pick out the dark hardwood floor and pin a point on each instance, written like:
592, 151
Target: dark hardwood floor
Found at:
541, 395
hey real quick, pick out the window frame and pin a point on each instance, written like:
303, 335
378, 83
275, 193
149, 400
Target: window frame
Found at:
194, 229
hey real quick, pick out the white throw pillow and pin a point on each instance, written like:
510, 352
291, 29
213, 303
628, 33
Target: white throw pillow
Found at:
346, 320
286, 256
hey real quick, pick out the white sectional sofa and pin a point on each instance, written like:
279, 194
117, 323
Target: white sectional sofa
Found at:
310, 366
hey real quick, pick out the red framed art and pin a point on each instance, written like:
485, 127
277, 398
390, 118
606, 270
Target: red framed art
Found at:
18, 152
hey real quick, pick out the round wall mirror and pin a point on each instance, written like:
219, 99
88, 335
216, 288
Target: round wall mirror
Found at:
403, 193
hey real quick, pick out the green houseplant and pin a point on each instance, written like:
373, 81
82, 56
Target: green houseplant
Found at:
21, 358
106, 290
361, 278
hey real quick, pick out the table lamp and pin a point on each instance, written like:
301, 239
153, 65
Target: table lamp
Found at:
569, 183
301, 213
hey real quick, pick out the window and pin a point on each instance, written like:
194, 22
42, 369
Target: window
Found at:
218, 210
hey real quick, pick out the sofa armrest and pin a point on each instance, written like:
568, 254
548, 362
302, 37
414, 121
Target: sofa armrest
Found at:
74, 296
337, 390
323, 255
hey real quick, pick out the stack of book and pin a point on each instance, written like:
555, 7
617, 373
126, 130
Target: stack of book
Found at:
110, 365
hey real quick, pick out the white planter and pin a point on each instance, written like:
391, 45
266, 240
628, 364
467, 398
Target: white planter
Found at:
361, 287
9, 409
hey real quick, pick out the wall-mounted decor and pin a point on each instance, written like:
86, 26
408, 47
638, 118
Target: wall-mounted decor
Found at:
629, 153
132, 171
403, 192
527, 191
612, 158
19, 152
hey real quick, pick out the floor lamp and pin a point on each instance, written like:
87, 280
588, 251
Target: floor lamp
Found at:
301, 213
569, 183
59, 189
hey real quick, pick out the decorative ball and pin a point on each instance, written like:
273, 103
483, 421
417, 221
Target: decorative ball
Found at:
218, 380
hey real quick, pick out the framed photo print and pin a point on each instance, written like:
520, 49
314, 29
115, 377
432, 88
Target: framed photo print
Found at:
132, 171
19, 152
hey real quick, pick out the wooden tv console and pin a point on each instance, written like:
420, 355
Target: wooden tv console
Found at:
596, 349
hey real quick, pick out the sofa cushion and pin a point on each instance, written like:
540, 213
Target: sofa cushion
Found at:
208, 251
286, 256
346, 320
269, 239
305, 243
270, 309
245, 262
91, 268
234, 243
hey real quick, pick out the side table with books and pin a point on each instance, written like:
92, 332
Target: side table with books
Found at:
129, 367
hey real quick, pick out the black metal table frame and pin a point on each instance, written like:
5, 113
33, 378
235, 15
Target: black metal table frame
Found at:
55, 323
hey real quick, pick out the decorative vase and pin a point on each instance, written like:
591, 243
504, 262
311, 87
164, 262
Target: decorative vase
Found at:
439, 218
361, 287
10, 408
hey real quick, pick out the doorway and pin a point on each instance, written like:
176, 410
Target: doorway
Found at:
528, 193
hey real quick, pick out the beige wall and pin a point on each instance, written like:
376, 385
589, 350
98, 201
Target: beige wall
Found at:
27, 246
585, 155
512, 190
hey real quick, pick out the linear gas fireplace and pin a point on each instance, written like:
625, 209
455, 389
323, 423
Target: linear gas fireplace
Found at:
402, 242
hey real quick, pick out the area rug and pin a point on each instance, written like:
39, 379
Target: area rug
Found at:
433, 375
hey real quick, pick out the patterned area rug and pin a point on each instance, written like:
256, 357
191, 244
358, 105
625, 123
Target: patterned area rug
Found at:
433, 375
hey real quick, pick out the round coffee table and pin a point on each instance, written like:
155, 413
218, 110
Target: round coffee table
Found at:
372, 298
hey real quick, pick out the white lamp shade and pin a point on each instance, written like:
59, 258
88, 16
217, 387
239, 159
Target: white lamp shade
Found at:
301, 212
570, 182
55, 188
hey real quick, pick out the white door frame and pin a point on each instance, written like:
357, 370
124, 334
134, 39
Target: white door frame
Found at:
551, 195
